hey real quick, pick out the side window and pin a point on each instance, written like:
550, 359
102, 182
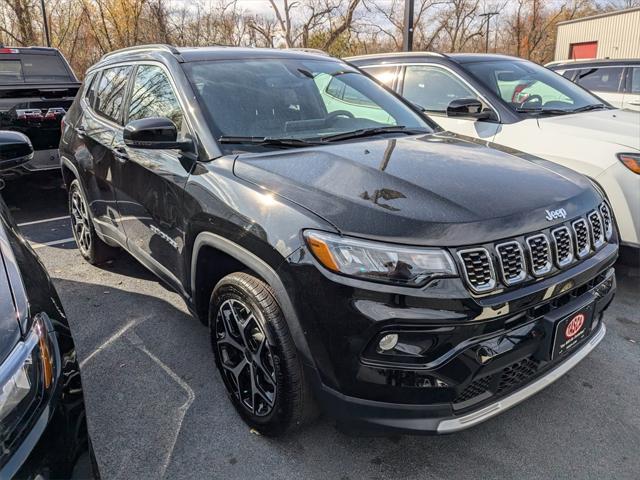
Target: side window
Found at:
433, 88
385, 75
153, 96
111, 91
92, 88
635, 80
604, 79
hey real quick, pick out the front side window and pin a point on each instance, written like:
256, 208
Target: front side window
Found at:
433, 88
111, 92
600, 79
153, 96
529, 88
303, 99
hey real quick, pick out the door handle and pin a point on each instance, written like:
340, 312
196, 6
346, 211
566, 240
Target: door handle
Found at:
80, 131
636, 103
120, 154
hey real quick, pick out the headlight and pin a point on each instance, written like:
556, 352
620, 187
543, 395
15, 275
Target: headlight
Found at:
631, 161
384, 262
24, 375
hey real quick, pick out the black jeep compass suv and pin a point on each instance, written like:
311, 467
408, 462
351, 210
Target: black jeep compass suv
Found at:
344, 251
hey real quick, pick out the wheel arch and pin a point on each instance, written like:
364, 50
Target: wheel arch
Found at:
69, 171
235, 258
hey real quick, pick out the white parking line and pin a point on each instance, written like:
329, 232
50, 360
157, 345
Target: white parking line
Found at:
36, 245
24, 224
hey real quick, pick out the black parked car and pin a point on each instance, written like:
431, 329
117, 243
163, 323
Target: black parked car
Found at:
37, 86
341, 248
43, 431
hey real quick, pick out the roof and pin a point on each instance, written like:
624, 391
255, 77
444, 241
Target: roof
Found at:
217, 52
594, 61
409, 56
600, 15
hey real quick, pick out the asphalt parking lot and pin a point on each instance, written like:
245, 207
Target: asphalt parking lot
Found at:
157, 409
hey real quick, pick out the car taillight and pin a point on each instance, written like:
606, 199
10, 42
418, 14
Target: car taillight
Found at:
9, 50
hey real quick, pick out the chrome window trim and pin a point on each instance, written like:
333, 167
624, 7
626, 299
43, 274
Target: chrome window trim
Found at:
547, 268
487, 287
571, 256
581, 253
523, 273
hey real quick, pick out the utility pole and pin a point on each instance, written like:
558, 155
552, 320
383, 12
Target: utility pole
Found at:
488, 20
46, 24
407, 37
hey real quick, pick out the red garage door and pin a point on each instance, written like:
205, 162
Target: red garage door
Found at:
583, 50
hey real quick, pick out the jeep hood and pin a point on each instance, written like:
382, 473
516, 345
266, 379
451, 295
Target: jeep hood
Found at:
614, 126
428, 190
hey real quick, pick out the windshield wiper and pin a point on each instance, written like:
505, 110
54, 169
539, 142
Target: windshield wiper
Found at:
586, 108
369, 132
561, 111
268, 141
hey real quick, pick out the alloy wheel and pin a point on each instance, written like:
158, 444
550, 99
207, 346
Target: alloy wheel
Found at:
245, 357
80, 221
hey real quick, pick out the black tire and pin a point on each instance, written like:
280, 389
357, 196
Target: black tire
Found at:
91, 247
241, 297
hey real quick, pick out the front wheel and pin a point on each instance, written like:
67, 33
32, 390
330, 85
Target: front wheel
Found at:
91, 247
256, 356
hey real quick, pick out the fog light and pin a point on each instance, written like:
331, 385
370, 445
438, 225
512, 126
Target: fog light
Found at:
388, 342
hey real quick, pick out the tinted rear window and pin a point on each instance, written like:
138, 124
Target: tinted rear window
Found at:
34, 69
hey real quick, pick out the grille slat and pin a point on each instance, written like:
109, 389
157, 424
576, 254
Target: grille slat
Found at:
563, 246
539, 254
582, 239
511, 259
607, 221
478, 269
597, 231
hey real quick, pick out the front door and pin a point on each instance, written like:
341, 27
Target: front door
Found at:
433, 88
150, 183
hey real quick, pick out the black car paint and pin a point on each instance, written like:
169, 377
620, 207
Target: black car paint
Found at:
54, 435
16, 98
192, 219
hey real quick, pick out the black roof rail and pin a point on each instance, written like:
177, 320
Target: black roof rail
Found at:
152, 46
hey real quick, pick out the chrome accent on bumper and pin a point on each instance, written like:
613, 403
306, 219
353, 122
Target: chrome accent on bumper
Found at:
451, 425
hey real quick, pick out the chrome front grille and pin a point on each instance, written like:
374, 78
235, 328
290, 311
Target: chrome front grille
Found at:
597, 231
485, 267
511, 259
607, 221
563, 246
539, 254
478, 269
583, 243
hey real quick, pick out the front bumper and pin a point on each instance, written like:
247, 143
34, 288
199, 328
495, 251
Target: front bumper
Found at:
448, 385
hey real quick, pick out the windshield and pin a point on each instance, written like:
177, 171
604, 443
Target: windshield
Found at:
530, 88
301, 100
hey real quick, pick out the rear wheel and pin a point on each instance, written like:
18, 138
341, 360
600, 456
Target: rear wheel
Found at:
91, 247
256, 356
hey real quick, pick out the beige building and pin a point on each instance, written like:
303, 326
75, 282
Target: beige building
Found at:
608, 35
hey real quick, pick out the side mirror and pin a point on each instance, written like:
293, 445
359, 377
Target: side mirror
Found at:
15, 149
468, 108
153, 133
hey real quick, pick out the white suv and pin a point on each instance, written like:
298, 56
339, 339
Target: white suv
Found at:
517, 104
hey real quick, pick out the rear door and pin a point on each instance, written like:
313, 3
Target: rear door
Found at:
150, 183
605, 82
93, 146
631, 98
